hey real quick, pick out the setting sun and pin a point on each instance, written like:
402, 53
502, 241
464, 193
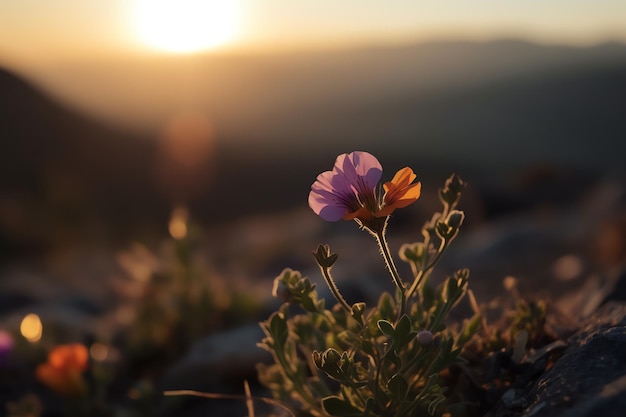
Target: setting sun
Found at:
185, 26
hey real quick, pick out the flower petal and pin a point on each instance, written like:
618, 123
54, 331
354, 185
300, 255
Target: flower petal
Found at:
349, 190
63, 371
331, 196
361, 169
399, 192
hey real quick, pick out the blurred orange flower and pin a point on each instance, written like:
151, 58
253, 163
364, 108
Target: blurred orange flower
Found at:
63, 371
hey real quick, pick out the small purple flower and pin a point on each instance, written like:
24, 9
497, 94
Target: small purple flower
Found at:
6, 346
349, 190
425, 338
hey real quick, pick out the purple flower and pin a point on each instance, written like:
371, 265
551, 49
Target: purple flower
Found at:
349, 190
6, 346
425, 338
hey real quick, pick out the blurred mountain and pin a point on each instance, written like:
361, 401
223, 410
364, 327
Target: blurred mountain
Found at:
543, 115
64, 174
66, 177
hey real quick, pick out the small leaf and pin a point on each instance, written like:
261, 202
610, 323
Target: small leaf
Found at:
429, 296
386, 328
336, 406
413, 252
404, 325
451, 192
455, 219
317, 359
398, 387
324, 258
469, 329
432, 407
357, 312
386, 307
393, 357
443, 230
403, 334
278, 328
368, 347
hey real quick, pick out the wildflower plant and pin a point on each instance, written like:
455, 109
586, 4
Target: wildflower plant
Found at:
359, 360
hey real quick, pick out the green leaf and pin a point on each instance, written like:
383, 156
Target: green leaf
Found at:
455, 219
432, 407
278, 328
451, 192
357, 312
386, 328
367, 347
404, 326
386, 307
393, 357
443, 230
336, 406
413, 253
403, 334
469, 329
324, 258
398, 387
428, 296
317, 359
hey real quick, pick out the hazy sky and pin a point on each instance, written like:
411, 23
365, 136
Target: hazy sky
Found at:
84, 51
40, 30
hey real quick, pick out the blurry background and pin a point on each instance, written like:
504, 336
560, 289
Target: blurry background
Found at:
126, 124
114, 113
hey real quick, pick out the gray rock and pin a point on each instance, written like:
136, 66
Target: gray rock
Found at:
588, 380
218, 360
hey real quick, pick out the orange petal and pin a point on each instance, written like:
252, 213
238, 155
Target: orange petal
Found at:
362, 213
403, 177
399, 192
410, 194
52, 377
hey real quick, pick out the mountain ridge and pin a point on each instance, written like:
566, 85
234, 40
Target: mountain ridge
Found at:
64, 170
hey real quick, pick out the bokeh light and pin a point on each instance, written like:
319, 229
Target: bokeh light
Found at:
186, 156
31, 328
178, 223
99, 352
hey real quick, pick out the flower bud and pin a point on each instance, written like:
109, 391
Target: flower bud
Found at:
328, 361
281, 291
412, 252
324, 258
357, 311
451, 192
455, 219
425, 338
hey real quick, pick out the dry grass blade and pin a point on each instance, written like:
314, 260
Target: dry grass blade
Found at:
247, 398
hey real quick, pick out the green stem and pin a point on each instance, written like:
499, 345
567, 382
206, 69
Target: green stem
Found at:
334, 290
414, 360
378, 360
359, 394
391, 266
297, 383
424, 272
